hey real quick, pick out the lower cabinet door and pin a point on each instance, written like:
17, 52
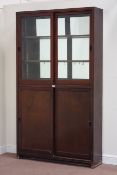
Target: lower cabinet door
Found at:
35, 125
72, 123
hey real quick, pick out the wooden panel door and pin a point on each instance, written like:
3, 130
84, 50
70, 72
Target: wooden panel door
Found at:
35, 120
72, 123
73, 93
35, 75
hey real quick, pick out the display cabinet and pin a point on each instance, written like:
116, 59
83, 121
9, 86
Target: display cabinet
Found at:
59, 85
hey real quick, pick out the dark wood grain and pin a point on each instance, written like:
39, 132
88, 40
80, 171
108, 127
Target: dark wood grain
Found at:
72, 123
35, 119
61, 124
98, 84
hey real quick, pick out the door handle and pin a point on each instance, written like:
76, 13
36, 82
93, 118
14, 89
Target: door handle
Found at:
53, 86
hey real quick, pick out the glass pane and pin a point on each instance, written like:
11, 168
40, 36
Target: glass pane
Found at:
80, 25
33, 71
43, 27
62, 70
33, 26
61, 26
29, 26
44, 70
30, 49
35, 48
80, 70
80, 49
30, 71
62, 49
24, 70
44, 49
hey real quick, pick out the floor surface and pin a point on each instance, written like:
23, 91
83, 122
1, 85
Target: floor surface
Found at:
10, 165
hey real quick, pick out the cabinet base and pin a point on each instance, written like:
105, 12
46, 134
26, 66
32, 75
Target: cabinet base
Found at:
61, 160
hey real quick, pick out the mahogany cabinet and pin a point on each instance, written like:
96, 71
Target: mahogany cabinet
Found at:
59, 85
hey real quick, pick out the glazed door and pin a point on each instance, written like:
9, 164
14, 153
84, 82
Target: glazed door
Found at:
35, 76
54, 85
73, 87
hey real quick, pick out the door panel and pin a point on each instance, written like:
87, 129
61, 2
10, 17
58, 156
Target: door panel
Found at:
35, 50
35, 67
73, 52
36, 119
72, 130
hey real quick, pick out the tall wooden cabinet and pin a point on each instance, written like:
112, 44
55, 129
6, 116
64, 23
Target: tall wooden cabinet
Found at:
59, 85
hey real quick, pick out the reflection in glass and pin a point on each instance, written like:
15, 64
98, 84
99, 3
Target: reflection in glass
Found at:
62, 70
30, 49
24, 71
36, 48
80, 49
61, 26
79, 25
43, 27
44, 49
62, 49
45, 70
30, 71
28, 26
80, 70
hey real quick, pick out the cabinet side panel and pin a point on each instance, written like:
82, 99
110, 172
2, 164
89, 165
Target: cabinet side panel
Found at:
98, 64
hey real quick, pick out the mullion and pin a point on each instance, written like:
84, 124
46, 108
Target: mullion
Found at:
74, 61
69, 46
39, 58
35, 61
74, 36
27, 67
36, 37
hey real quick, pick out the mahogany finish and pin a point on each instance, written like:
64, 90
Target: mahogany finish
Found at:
72, 123
36, 115
62, 124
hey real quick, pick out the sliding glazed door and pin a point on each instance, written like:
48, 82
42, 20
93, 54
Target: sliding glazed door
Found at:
35, 113
72, 95
53, 85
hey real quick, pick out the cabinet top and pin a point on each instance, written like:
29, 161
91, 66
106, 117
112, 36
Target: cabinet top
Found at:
67, 10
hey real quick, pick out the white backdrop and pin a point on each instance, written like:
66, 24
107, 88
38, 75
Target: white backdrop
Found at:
2, 116
8, 51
